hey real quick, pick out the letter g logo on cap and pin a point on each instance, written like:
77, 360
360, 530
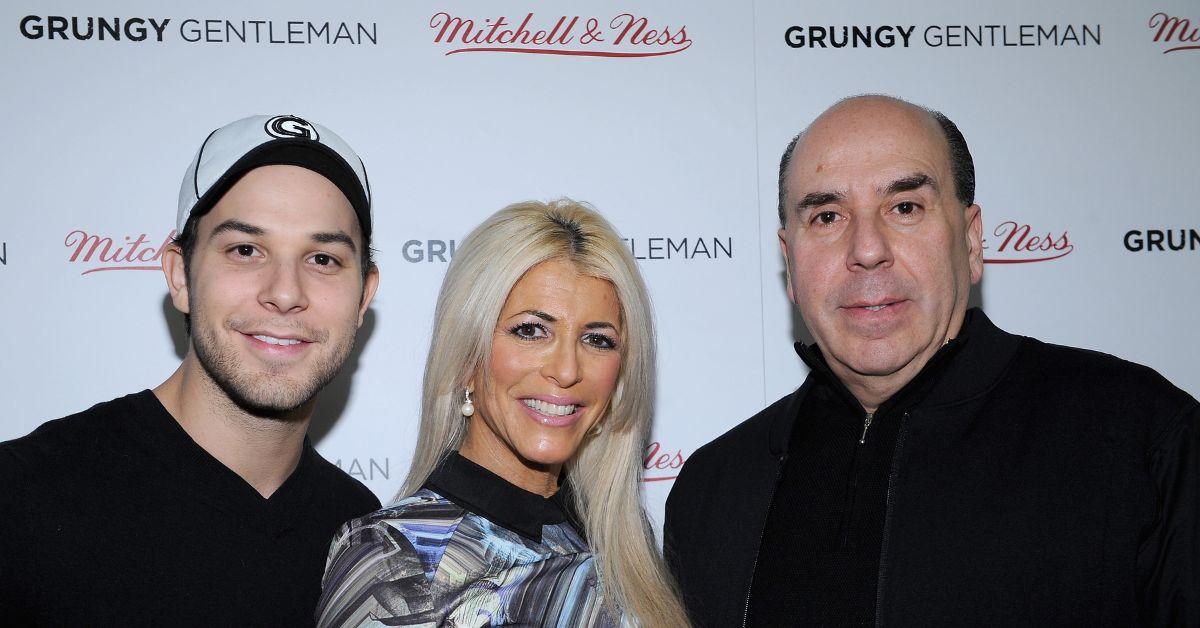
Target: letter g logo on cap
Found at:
290, 126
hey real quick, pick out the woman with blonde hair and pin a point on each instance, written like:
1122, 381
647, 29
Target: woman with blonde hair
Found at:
522, 505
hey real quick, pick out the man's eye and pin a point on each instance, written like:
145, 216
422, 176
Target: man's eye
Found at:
323, 260
245, 250
825, 218
906, 207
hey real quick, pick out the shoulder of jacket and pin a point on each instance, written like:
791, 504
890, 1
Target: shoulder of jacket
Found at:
1130, 398
749, 436
1099, 369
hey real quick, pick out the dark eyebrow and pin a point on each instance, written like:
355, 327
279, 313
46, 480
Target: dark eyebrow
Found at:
816, 199
236, 225
540, 314
910, 183
336, 236
249, 229
551, 319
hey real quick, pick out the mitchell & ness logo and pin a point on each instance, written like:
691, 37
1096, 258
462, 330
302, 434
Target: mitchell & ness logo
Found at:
1019, 244
942, 35
625, 35
285, 127
1175, 32
101, 253
660, 465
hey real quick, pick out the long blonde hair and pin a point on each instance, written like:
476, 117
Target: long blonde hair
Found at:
605, 473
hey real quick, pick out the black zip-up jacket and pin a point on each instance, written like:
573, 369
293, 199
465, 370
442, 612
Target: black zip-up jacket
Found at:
1034, 485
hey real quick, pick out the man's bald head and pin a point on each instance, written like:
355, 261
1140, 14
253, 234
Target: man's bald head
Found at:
881, 239
962, 167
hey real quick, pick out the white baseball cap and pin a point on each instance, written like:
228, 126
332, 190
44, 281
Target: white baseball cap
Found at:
239, 147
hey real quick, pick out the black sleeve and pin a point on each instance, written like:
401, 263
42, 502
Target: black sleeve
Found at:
15, 565
677, 538
1169, 558
671, 531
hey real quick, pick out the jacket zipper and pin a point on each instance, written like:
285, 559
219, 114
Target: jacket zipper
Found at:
852, 498
762, 533
887, 517
862, 440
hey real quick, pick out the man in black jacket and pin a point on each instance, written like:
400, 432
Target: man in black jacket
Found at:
932, 470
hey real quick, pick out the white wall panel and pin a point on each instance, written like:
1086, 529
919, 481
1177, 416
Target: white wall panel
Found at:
1086, 142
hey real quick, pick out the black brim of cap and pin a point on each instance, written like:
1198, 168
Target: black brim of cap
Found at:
294, 152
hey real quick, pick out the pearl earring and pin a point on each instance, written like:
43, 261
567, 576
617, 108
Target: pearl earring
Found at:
468, 408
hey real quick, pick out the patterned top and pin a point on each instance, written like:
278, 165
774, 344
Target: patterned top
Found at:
468, 549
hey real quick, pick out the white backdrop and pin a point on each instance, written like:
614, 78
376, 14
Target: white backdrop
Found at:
1080, 115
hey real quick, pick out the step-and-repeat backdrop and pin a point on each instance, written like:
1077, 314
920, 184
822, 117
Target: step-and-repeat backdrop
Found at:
668, 117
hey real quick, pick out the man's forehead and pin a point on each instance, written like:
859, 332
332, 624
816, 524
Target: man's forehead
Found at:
868, 111
880, 142
268, 224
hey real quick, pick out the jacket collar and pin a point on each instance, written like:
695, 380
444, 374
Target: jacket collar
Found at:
978, 367
781, 427
970, 370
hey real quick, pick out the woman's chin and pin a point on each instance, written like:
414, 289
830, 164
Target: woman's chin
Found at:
546, 454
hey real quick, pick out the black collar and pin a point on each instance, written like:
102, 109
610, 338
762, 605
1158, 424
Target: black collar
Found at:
911, 393
963, 371
484, 493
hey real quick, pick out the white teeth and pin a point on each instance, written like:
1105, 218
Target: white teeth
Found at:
875, 308
278, 341
549, 408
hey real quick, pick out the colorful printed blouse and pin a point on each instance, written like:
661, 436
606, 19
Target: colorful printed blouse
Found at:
468, 549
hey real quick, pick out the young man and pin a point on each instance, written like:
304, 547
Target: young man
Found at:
202, 502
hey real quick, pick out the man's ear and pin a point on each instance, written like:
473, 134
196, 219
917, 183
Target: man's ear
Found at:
370, 285
974, 220
172, 266
787, 266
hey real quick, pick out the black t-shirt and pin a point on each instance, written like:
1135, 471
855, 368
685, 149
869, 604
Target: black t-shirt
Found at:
115, 516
